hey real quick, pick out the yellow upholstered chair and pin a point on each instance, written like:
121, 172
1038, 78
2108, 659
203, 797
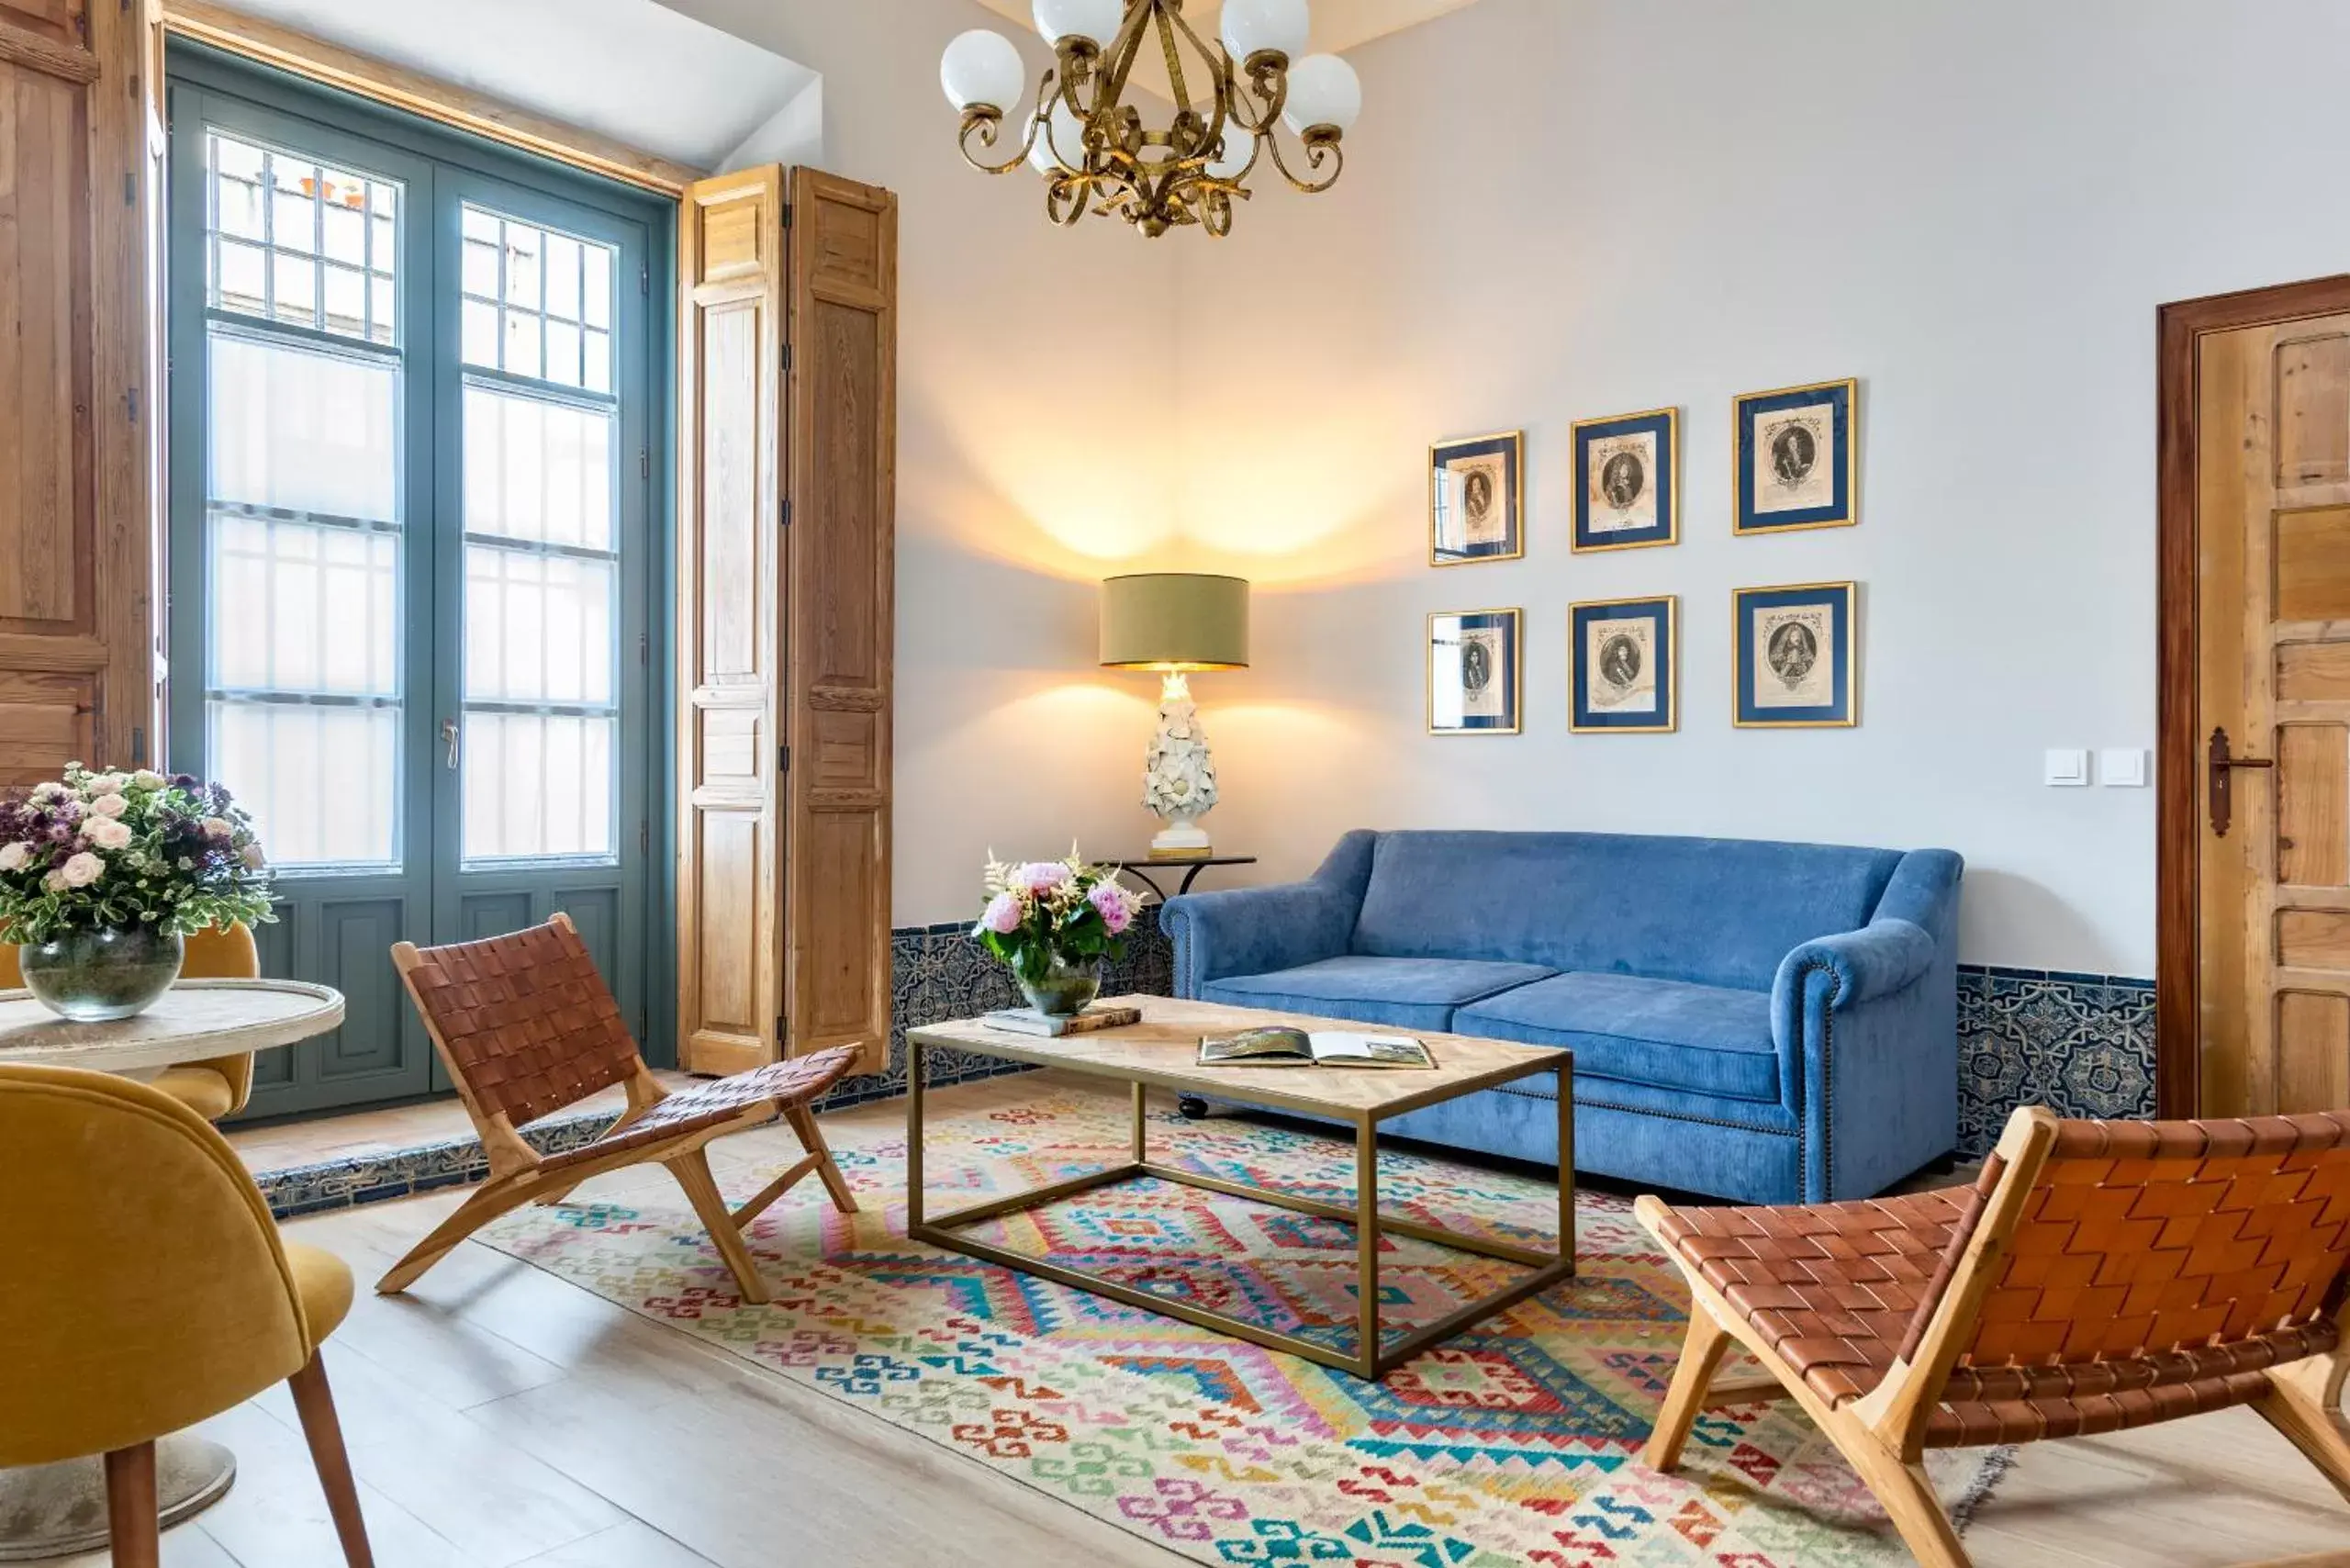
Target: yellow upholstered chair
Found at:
212, 1089
148, 1289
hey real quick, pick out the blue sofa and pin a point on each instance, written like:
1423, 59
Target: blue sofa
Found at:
1768, 1023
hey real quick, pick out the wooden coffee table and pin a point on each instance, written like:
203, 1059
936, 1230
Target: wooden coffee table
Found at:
1161, 1052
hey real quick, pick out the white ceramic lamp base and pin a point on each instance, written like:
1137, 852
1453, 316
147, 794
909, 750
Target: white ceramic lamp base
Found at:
1181, 839
1179, 776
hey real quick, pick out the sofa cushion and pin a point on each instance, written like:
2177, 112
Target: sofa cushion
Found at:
1700, 1038
1713, 912
1408, 993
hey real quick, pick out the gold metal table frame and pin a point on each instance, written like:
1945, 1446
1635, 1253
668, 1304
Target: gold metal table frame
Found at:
1374, 1358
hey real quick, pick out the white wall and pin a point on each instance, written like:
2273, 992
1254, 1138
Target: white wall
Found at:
1028, 397
1560, 209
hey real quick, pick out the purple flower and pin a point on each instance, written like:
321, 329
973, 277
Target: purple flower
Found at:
1002, 915
1115, 904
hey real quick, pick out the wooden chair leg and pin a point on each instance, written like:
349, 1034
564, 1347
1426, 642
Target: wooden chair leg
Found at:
692, 1172
1701, 1356
2304, 1402
1908, 1496
485, 1205
135, 1531
811, 1137
314, 1401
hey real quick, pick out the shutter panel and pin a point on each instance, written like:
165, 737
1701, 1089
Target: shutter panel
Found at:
77, 643
729, 644
841, 578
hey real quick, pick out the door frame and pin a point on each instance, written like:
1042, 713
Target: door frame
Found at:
2178, 796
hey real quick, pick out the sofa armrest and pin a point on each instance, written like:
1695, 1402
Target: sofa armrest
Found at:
1882, 958
1252, 931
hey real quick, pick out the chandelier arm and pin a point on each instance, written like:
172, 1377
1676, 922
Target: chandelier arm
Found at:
1268, 72
987, 121
1319, 149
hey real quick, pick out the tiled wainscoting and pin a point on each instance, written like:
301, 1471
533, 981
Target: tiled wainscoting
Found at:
2080, 1045
937, 972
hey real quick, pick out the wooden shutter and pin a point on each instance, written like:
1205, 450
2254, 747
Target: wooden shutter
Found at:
730, 643
840, 590
77, 643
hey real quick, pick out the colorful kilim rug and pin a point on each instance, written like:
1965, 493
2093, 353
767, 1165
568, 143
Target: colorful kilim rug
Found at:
1517, 1442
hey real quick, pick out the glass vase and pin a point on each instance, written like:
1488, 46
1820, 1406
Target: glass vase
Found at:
96, 976
1068, 987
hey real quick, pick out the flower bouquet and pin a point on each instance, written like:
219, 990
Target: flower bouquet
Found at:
102, 874
1052, 923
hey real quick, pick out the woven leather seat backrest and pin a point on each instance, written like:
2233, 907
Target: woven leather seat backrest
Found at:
525, 1020
2143, 1238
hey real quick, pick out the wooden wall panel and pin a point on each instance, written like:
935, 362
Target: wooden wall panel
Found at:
77, 643
2314, 411
841, 589
2313, 805
730, 640
2312, 1051
2313, 564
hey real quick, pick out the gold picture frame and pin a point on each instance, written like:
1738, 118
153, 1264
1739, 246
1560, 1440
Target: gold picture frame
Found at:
1843, 398
1445, 518
1842, 709
1511, 722
1580, 720
1665, 425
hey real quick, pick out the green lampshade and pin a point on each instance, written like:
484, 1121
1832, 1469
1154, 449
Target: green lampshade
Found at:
1175, 620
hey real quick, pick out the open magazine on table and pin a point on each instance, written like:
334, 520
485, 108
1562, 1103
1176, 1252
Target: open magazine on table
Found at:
1280, 1045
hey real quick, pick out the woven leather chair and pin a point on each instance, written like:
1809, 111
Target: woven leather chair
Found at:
211, 1089
526, 1026
2099, 1275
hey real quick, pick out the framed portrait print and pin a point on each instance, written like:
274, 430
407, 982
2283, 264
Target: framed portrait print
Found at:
1628, 481
1477, 500
1624, 666
1475, 672
1796, 458
1798, 656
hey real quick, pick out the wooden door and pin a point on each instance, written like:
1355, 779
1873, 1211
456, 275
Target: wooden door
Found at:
729, 633
840, 579
2273, 631
76, 653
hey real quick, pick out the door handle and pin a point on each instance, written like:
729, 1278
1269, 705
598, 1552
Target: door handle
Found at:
449, 745
2221, 766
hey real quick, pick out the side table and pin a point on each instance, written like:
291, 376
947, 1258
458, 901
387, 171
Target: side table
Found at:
1191, 867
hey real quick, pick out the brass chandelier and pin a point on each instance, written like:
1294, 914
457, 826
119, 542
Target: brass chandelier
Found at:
1094, 147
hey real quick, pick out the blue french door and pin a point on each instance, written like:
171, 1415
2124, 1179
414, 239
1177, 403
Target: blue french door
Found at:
412, 411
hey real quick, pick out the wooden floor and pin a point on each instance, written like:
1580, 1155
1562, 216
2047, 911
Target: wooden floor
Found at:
498, 1416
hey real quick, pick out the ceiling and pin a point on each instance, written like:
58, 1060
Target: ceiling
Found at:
1338, 25
631, 69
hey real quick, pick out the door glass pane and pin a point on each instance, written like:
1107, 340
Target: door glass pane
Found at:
302, 565
530, 296
296, 240
542, 620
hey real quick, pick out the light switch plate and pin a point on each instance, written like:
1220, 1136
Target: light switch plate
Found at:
2067, 769
2123, 767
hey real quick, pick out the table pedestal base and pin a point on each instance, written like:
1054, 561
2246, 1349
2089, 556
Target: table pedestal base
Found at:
56, 1510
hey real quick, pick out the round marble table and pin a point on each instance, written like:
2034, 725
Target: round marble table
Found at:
56, 1510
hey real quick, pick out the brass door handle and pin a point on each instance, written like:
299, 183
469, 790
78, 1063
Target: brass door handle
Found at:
2222, 765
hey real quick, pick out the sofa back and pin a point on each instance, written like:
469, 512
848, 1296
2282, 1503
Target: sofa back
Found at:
1709, 910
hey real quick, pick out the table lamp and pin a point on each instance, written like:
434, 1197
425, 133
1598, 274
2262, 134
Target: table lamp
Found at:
1176, 622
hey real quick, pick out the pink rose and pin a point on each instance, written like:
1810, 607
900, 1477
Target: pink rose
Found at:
1042, 876
14, 856
1115, 904
109, 806
218, 828
109, 833
54, 881
252, 856
82, 870
1002, 915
